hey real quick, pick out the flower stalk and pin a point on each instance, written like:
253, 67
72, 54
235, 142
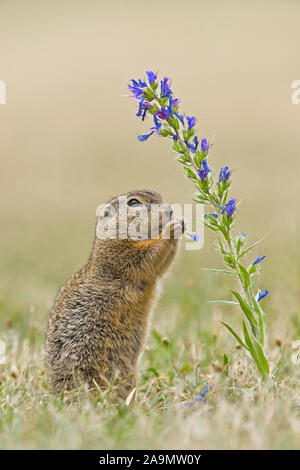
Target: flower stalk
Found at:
157, 100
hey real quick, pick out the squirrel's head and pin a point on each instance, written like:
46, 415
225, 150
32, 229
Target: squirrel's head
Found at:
138, 216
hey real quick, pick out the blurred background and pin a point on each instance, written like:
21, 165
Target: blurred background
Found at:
69, 133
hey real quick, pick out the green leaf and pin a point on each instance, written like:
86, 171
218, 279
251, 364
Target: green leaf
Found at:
154, 108
154, 371
222, 250
261, 355
245, 275
239, 340
189, 173
225, 360
165, 132
154, 85
225, 233
176, 147
261, 316
197, 159
252, 246
229, 260
182, 147
173, 122
257, 353
230, 302
248, 339
211, 219
183, 158
238, 245
163, 101
247, 310
148, 94
190, 132
215, 229
201, 200
223, 271
252, 269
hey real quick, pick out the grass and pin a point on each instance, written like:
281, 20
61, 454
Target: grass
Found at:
184, 351
68, 142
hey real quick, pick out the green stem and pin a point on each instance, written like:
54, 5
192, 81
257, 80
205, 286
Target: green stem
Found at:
226, 231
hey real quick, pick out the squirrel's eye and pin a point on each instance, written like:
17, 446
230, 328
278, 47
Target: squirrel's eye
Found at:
133, 202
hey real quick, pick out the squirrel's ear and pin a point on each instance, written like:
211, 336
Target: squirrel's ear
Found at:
106, 212
103, 211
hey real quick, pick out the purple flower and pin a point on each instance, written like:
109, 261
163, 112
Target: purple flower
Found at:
151, 76
180, 117
175, 102
191, 120
139, 83
201, 397
224, 174
143, 108
165, 90
204, 145
205, 392
261, 295
203, 172
157, 125
192, 147
205, 165
211, 215
163, 113
242, 238
144, 137
195, 236
229, 208
137, 88
258, 260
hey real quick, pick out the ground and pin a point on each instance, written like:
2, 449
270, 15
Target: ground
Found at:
185, 350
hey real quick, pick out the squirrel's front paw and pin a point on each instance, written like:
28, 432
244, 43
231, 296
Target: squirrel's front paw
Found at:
174, 229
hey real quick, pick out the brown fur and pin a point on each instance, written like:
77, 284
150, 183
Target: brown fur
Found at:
98, 323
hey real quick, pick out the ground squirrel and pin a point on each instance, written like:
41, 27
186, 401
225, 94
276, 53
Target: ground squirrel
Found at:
99, 320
